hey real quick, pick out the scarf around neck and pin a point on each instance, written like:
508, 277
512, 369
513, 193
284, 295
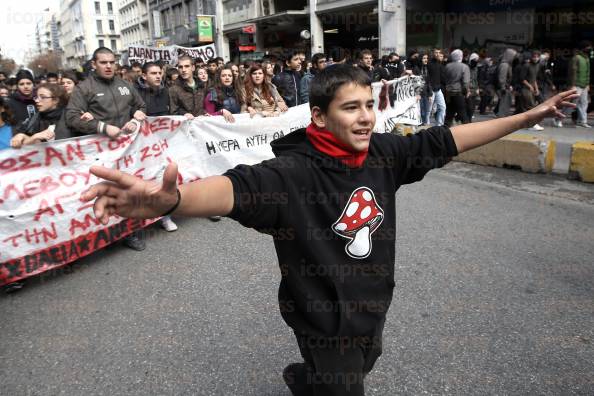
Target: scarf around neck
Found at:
325, 142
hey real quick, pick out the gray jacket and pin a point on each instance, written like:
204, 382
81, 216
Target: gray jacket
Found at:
111, 102
457, 76
504, 71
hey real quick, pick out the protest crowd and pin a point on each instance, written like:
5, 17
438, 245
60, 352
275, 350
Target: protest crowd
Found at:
114, 100
457, 84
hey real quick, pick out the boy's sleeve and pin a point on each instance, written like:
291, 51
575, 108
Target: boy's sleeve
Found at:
418, 153
259, 195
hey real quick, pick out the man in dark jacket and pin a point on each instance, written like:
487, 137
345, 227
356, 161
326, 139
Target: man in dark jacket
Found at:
186, 95
21, 102
152, 91
288, 81
318, 63
394, 66
436, 74
115, 107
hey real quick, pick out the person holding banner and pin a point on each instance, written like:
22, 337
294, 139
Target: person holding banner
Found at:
186, 95
332, 188
7, 123
113, 105
225, 97
261, 97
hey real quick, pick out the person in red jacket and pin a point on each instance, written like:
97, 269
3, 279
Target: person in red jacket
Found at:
328, 200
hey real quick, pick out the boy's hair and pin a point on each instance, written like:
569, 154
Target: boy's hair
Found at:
51, 75
101, 50
185, 57
363, 53
288, 55
211, 61
135, 64
326, 83
148, 65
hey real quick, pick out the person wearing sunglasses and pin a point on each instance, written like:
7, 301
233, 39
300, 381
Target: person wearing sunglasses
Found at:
48, 122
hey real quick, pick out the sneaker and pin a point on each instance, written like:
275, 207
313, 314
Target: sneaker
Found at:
537, 127
558, 123
215, 218
134, 243
168, 224
295, 376
582, 125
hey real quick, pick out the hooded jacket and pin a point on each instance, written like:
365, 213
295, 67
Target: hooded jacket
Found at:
111, 102
436, 73
457, 74
504, 70
156, 99
185, 99
334, 226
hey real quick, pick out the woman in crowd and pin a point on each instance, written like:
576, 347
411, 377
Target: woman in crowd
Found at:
7, 124
21, 102
48, 123
172, 75
268, 68
202, 74
69, 81
224, 98
261, 97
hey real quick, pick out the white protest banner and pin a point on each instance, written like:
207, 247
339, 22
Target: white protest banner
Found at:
44, 225
397, 103
204, 52
143, 54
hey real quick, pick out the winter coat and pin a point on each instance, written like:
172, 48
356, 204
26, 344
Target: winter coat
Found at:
22, 107
156, 99
185, 99
111, 102
43, 120
288, 83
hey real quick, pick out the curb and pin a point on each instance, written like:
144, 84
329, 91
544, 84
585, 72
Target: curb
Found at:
582, 161
526, 152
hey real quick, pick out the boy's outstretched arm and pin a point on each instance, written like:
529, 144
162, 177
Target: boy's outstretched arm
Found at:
469, 136
128, 196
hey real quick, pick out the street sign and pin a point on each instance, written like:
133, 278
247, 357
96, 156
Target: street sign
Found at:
204, 24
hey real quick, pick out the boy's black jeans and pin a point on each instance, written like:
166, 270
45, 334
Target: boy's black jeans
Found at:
337, 366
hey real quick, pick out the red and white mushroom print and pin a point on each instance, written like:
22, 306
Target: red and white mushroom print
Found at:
360, 218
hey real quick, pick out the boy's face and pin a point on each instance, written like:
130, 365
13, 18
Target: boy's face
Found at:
350, 116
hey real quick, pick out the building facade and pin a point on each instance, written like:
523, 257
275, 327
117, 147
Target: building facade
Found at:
87, 25
134, 23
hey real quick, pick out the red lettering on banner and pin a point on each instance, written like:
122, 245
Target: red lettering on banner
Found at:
51, 153
145, 129
97, 144
34, 236
44, 207
174, 125
83, 225
44, 185
127, 159
154, 150
22, 162
139, 173
71, 151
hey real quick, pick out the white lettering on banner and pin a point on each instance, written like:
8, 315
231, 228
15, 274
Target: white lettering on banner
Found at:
204, 52
43, 223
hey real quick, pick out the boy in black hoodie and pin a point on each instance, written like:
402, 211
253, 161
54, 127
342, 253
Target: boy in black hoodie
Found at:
328, 200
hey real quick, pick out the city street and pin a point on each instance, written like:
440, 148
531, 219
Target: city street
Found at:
493, 295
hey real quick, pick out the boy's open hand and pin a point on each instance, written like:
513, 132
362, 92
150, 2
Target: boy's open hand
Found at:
128, 196
553, 106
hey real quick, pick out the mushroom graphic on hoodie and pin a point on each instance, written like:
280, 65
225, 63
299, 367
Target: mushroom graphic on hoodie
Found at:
360, 218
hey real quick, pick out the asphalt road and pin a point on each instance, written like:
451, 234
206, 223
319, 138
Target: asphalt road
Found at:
494, 295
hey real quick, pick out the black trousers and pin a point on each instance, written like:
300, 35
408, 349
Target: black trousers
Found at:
337, 366
456, 105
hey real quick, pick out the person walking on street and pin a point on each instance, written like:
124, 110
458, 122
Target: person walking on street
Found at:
579, 79
457, 81
504, 82
436, 73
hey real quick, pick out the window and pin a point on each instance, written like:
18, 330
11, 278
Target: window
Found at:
111, 25
109, 8
113, 46
101, 43
99, 27
97, 7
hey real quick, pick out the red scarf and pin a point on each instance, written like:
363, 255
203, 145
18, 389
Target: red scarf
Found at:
325, 142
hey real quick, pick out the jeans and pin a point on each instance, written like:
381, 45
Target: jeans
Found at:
426, 109
439, 102
582, 105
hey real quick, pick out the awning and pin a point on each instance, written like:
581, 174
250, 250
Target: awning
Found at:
231, 28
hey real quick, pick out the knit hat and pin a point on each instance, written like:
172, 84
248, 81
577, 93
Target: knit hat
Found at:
24, 75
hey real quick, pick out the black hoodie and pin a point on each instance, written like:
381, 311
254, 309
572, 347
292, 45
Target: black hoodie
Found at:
335, 281
22, 107
156, 99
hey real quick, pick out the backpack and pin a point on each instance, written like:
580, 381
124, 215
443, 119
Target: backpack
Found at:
493, 75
